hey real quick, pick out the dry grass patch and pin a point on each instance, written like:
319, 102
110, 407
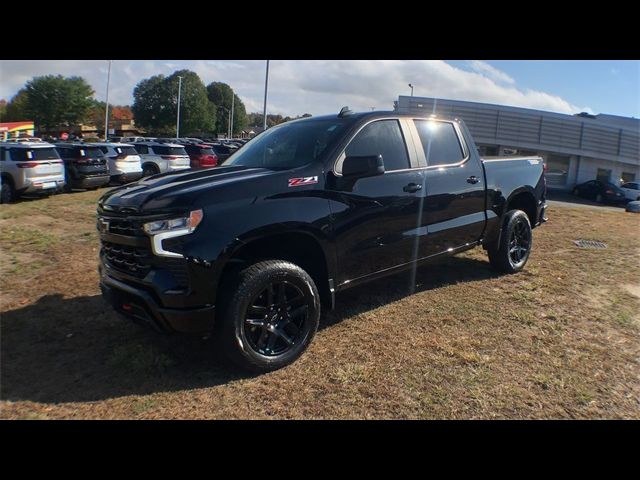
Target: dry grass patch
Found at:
559, 340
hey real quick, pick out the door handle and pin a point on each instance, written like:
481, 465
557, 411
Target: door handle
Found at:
473, 179
412, 187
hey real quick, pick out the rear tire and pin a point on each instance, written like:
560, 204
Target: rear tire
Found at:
149, 170
7, 193
516, 240
269, 313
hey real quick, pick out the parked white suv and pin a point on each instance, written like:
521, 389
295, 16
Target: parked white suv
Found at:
162, 157
631, 190
124, 162
28, 168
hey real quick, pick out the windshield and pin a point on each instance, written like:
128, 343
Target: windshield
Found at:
289, 146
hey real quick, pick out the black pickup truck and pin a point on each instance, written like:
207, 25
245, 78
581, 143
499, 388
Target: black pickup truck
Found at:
251, 250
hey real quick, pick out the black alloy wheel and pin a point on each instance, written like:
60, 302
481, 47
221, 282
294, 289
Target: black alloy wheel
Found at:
275, 319
520, 242
512, 251
268, 315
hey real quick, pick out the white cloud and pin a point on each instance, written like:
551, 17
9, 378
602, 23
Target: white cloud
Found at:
304, 86
491, 72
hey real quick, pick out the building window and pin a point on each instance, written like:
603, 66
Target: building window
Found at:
627, 177
488, 150
557, 169
603, 175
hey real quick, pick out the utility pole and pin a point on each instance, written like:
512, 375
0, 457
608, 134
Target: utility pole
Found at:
106, 113
266, 84
233, 99
178, 117
411, 86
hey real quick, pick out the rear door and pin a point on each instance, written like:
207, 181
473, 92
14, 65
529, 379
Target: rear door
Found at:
375, 218
453, 212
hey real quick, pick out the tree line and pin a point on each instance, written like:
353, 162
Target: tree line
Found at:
55, 102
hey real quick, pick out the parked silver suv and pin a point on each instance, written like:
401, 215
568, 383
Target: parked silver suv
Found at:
124, 161
160, 157
29, 168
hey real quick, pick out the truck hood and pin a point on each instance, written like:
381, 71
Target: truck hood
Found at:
175, 191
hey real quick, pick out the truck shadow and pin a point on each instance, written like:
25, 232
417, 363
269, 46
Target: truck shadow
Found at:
76, 350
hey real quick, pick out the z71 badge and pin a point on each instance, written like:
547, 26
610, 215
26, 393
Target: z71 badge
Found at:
298, 182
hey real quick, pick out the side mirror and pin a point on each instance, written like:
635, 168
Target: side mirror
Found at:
362, 166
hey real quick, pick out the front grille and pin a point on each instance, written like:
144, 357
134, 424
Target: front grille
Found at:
139, 260
135, 261
126, 227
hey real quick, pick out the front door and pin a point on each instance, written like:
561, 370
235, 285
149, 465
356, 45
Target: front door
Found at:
375, 218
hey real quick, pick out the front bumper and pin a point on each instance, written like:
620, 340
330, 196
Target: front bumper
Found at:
140, 306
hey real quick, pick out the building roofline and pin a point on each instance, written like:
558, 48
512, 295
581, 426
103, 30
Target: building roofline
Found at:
509, 108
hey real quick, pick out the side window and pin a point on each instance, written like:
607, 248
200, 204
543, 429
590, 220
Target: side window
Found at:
1, 154
142, 149
440, 142
383, 137
104, 149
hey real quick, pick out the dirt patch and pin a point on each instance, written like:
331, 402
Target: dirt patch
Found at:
558, 340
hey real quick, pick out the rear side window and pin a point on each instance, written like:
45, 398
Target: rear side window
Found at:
383, 137
104, 149
440, 142
164, 150
128, 150
142, 149
26, 154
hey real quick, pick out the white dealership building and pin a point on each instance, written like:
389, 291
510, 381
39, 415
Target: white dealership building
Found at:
576, 148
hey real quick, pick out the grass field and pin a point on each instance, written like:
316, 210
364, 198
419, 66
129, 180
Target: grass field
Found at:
559, 340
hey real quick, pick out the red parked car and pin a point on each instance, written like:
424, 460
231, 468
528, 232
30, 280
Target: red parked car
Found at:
201, 156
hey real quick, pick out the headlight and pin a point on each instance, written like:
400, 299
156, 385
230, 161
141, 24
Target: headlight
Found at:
171, 225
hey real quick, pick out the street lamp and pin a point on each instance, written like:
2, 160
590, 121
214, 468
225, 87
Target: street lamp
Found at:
228, 120
266, 83
233, 99
178, 117
411, 86
106, 113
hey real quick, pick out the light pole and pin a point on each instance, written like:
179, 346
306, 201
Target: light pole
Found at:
228, 118
106, 113
178, 117
266, 84
411, 86
233, 99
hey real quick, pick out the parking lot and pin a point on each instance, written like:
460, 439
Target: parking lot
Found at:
559, 340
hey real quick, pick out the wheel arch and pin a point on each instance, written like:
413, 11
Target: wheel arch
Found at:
299, 246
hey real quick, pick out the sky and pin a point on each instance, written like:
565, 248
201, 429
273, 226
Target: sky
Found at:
324, 86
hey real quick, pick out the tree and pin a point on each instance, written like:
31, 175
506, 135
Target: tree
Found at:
221, 94
3, 109
95, 115
156, 103
53, 101
16, 108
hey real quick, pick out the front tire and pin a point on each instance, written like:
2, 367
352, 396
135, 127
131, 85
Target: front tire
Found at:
269, 314
516, 240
